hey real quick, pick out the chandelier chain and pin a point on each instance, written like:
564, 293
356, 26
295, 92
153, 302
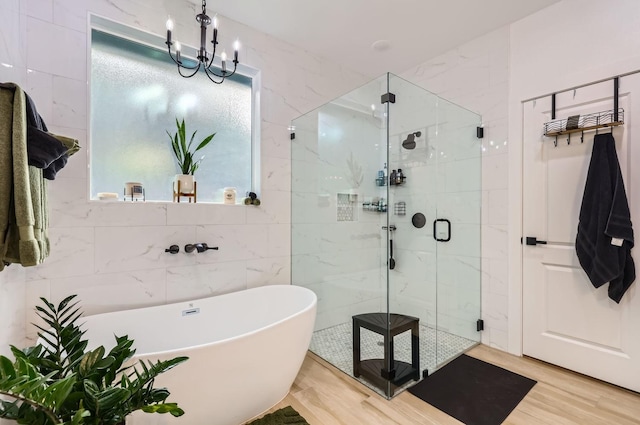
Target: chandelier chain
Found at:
204, 7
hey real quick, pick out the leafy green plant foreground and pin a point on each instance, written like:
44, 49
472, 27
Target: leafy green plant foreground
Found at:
58, 382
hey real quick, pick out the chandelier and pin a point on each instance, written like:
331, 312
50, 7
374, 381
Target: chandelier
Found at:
204, 60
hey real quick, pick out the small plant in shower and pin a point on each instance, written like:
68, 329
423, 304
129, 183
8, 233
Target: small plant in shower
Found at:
58, 381
354, 174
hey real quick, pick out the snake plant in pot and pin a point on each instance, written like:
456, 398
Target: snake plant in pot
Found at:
185, 156
58, 381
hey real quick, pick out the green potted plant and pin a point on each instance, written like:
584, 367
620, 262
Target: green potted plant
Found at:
58, 382
185, 157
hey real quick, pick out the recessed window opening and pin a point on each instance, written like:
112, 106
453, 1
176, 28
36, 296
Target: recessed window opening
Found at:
136, 97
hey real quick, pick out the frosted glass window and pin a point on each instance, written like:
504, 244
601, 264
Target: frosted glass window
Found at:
136, 96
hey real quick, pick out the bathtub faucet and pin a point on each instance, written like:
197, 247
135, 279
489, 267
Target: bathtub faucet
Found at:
200, 247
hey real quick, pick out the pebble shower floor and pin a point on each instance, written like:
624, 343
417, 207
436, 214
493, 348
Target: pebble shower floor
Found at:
334, 344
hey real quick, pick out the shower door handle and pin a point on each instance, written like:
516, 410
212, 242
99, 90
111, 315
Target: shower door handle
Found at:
435, 226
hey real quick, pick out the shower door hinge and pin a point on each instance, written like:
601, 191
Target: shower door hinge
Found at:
479, 132
480, 325
293, 136
388, 98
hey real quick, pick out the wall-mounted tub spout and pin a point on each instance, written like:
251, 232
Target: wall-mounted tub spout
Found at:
200, 247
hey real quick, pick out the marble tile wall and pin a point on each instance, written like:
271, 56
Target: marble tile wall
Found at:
112, 255
476, 75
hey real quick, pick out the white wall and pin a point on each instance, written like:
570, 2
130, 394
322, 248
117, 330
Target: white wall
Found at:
112, 255
476, 76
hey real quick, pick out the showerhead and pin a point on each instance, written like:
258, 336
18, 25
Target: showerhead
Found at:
410, 142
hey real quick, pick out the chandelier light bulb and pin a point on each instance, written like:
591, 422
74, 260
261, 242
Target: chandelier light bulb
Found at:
223, 56
169, 25
178, 46
215, 22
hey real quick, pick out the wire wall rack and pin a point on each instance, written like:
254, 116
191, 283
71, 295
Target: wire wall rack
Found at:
582, 123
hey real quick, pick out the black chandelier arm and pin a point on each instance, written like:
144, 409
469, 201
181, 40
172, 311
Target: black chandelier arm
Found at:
180, 67
225, 74
180, 63
210, 74
213, 55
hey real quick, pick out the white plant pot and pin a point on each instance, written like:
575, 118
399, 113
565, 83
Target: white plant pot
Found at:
186, 183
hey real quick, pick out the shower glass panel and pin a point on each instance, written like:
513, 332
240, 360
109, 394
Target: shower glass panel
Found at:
373, 176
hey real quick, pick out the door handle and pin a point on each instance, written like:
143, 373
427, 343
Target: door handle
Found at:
532, 240
435, 225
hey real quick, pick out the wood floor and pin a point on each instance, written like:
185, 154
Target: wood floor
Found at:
326, 396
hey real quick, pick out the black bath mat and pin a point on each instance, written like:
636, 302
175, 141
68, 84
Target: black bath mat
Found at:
285, 416
473, 391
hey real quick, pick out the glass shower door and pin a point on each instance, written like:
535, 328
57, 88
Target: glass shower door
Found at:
435, 207
338, 215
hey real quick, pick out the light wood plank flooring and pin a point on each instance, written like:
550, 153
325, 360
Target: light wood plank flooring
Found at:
326, 396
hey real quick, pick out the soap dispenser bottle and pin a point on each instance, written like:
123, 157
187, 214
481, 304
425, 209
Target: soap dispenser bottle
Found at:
399, 176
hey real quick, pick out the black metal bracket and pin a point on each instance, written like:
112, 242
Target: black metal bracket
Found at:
425, 373
480, 325
616, 92
479, 132
293, 136
388, 98
553, 106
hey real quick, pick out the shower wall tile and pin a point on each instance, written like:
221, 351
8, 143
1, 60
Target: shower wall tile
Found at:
205, 280
275, 141
12, 44
495, 172
71, 14
119, 249
103, 293
40, 9
269, 271
498, 205
234, 242
40, 88
69, 103
12, 310
275, 207
276, 174
278, 240
182, 213
48, 43
495, 241
72, 251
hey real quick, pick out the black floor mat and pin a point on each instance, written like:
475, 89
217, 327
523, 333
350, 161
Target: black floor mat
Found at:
473, 391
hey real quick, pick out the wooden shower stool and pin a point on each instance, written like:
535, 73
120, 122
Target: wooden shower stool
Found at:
375, 370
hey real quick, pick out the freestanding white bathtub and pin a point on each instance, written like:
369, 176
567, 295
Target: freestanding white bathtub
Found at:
245, 350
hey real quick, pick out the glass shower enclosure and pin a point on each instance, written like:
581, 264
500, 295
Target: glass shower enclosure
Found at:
385, 213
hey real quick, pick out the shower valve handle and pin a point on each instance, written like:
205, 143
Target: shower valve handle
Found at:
202, 247
173, 249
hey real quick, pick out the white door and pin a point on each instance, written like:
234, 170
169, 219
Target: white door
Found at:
566, 321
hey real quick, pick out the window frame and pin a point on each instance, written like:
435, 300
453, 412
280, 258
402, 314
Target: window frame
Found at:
157, 42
